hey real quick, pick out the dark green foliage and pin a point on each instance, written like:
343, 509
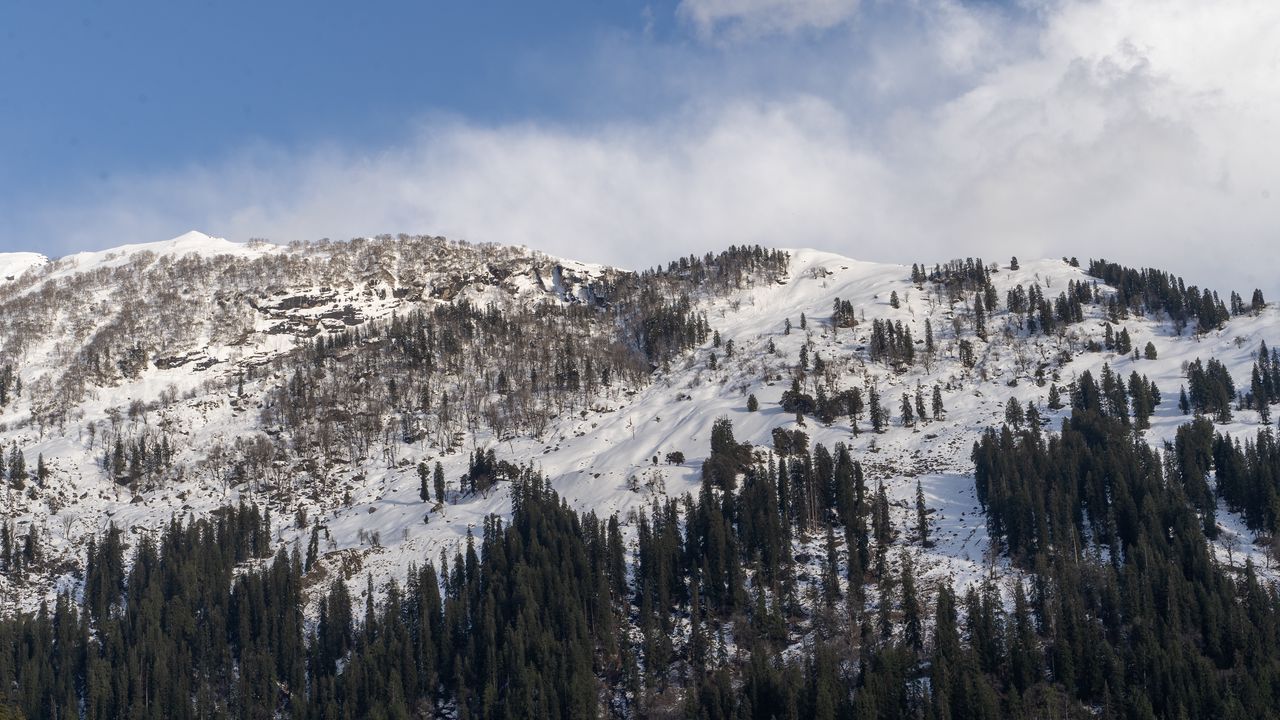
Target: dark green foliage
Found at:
484, 470
728, 458
891, 343
797, 401
9, 382
1102, 634
979, 316
1264, 383
922, 517
172, 637
1248, 476
879, 417
1144, 398
842, 314
788, 442
1013, 414
1122, 610
1210, 389
1155, 291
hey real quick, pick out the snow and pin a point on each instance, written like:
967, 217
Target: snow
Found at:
189, 243
591, 457
14, 264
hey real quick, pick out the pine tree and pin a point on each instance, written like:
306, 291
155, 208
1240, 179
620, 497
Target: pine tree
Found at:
1055, 397
313, 548
912, 622
979, 316
18, 468
1013, 414
424, 489
831, 576
938, 409
922, 516
752, 404
438, 477
1124, 344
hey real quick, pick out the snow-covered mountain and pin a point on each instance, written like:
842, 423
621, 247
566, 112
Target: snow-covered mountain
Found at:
165, 380
14, 264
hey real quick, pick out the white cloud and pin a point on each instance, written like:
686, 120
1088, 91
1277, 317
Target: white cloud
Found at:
1144, 132
745, 19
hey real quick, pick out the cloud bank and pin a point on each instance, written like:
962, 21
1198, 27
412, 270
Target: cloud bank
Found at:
738, 19
1140, 131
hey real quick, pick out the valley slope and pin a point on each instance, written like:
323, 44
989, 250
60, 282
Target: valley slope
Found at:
184, 346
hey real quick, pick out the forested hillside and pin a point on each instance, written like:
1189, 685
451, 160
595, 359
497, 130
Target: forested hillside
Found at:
409, 477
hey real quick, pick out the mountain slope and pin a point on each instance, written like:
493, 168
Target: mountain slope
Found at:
755, 483
184, 345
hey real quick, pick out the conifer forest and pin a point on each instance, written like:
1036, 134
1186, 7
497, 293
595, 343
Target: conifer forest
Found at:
410, 477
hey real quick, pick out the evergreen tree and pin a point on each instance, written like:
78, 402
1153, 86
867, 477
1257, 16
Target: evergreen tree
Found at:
912, 622
979, 316
876, 412
920, 409
1055, 397
438, 479
1013, 414
922, 517
424, 489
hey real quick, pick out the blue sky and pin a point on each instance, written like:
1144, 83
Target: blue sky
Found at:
93, 89
630, 132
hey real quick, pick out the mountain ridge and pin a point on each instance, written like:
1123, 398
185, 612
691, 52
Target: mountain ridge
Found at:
596, 459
